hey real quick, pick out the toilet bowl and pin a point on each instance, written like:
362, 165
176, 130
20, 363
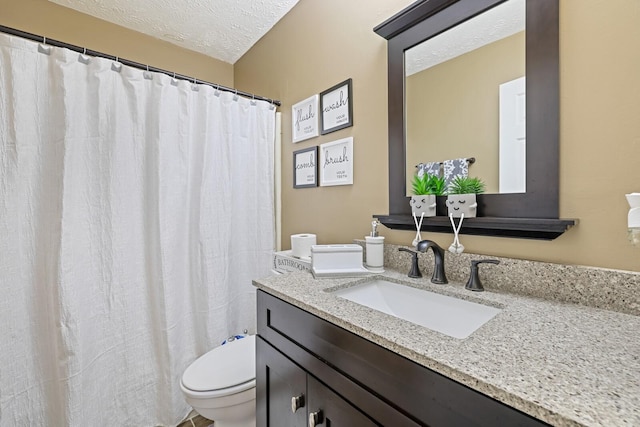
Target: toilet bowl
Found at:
221, 384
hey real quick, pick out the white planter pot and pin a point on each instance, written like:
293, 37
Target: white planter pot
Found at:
458, 204
424, 203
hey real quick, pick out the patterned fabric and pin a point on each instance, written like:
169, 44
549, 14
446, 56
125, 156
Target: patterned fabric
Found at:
430, 168
454, 168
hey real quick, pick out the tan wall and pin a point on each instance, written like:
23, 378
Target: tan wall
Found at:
449, 116
315, 46
319, 44
50, 20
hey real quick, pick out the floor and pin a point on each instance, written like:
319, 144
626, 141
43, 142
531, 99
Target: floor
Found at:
198, 421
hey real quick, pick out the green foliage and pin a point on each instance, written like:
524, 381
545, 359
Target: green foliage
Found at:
466, 185
428, 184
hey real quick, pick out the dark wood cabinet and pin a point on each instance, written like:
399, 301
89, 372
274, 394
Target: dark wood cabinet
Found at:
355, 382
289, 397
332, 409
279, 381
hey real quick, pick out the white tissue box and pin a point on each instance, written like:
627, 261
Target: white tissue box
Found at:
337, 261
284, 262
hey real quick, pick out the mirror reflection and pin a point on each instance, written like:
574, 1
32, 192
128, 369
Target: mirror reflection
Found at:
465, 98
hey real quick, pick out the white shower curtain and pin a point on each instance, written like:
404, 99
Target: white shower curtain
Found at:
134, 213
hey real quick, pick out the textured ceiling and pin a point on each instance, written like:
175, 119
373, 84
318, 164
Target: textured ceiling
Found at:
502, 21
222, 29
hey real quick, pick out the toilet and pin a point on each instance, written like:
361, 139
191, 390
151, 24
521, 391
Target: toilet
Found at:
221, 384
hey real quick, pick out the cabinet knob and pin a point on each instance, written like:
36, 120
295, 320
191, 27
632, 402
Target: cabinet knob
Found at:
297, 402
316, 418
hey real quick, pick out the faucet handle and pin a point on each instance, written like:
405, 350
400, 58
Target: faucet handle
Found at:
415, 269
474, 283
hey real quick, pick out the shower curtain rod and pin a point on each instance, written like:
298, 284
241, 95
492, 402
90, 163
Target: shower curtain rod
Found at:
85, 51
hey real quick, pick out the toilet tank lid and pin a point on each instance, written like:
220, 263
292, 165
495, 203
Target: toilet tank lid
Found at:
225, 366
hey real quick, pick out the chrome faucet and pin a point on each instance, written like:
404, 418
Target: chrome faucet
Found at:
438, 254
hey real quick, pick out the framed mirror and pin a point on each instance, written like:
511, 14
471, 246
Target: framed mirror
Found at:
530, 211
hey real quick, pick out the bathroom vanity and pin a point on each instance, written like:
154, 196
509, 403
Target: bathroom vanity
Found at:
323, 372
325, 360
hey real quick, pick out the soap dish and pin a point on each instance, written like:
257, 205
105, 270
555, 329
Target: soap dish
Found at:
340, 272
337, 261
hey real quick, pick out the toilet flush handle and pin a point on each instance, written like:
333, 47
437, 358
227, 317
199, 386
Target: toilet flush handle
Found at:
297, 402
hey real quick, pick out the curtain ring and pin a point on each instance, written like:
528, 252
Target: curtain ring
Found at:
83, 58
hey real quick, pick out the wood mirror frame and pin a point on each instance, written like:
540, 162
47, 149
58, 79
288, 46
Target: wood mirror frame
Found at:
533, 214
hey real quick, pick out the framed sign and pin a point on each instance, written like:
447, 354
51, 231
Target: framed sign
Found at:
336, 110
304, 119
305, 168
336, 162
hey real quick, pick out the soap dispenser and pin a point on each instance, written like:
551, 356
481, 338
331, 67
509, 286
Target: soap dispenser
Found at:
374, 250
633, 218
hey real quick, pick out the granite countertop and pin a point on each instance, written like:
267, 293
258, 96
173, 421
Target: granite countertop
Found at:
566, 364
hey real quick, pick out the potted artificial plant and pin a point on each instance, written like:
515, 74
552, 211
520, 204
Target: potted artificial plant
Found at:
425, 189
461, 196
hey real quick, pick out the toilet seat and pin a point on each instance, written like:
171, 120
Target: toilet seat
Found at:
224, 392
223, 371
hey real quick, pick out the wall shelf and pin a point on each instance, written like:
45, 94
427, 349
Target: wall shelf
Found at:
524, 228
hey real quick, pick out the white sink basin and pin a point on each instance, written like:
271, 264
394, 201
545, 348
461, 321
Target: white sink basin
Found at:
451, 316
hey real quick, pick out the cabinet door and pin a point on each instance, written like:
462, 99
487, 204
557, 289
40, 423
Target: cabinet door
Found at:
281, 389
330, 410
